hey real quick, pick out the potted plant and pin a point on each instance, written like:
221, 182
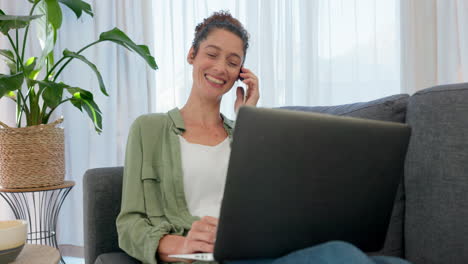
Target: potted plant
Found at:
32, 154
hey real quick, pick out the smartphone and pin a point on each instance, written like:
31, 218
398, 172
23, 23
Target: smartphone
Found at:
240, 78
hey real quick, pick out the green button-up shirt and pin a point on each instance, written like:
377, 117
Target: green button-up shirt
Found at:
153, 198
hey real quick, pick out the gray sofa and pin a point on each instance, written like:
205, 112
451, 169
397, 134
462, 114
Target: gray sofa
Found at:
430, 217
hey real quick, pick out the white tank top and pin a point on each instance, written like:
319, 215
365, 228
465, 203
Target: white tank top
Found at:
204, 168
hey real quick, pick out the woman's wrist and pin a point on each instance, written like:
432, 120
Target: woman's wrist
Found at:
168, 245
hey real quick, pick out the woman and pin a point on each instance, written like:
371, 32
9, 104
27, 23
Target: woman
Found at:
176, 163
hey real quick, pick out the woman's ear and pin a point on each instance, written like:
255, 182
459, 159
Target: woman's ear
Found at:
190, 56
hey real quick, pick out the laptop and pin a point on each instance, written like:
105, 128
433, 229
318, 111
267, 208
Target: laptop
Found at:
298, 179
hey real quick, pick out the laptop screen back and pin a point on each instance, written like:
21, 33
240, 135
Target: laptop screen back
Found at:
297, 179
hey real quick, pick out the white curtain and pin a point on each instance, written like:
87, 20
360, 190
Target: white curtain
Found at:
434, 43
304, 52
129, 82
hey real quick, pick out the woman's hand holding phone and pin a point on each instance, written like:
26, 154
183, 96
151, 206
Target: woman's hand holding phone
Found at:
253, 94
200, 239
202, 235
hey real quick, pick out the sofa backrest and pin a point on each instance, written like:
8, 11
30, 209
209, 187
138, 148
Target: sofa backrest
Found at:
391, 108
102, 195
436, 176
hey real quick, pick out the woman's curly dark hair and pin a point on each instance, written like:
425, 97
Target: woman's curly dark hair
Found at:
220, 20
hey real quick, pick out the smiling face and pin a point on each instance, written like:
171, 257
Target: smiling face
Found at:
217, 63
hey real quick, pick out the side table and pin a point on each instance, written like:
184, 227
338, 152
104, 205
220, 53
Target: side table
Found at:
37, 254
40, 207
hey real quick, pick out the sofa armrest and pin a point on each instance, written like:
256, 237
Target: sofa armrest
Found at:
102, 194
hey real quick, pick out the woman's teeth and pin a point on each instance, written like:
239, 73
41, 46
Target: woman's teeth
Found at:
211, 79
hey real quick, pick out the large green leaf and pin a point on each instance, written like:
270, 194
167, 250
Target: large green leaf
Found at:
117, 36
52, 92
78, 6
29, 66
54, 13
12, 22
9, 60
7, 54
71, 54
10, 83
83, 99
29, 71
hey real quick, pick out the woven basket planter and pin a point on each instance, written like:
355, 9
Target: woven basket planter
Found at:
32, 156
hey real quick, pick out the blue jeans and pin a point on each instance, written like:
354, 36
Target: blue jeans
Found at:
335, 252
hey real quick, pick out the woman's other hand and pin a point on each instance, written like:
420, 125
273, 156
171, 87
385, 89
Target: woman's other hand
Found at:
200, 239
253, 93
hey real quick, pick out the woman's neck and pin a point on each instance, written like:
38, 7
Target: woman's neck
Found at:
201, 112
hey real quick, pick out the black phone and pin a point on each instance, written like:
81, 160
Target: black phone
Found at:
240, 78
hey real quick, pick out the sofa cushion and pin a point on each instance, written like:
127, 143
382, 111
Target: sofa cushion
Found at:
391, 108
436, 176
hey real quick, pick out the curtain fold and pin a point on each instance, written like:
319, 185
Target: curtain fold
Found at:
434, 43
